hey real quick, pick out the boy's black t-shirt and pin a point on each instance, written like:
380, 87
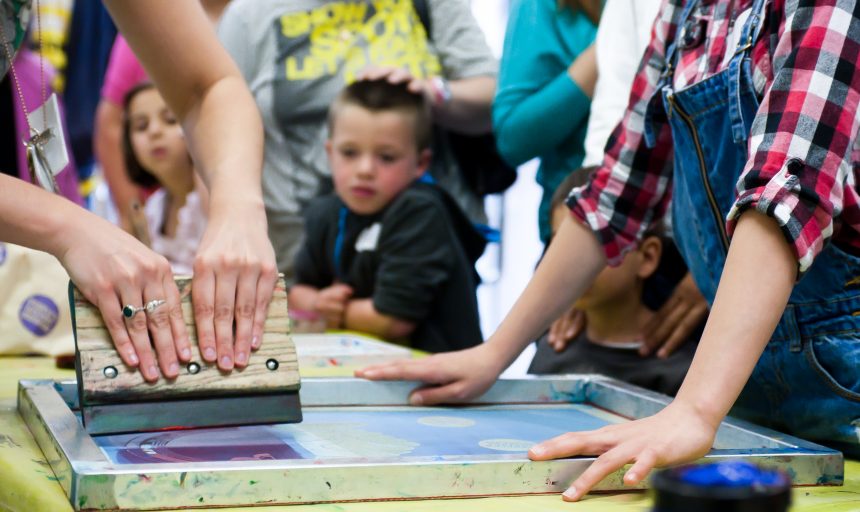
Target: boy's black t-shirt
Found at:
415, 258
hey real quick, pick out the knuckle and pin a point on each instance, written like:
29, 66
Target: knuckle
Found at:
223, 312
203, 310
245, 310
158, 319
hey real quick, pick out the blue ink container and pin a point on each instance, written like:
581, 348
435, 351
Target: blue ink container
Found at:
726, 486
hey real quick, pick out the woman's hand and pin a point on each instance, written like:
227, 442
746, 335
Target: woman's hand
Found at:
234, 278
677, 434
450, 377
672, 325
112, 269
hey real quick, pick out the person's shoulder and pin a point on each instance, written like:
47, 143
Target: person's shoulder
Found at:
418, 197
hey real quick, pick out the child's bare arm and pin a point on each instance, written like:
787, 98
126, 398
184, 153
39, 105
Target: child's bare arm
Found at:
553, 288
757, 280
361, 315
302, 297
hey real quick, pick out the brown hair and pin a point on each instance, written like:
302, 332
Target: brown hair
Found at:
136, 172
591, 8
382, 96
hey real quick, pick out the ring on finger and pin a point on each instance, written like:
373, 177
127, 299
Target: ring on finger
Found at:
129, 311
153, 304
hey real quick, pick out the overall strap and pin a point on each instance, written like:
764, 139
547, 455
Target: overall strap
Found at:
740, 83
666, 77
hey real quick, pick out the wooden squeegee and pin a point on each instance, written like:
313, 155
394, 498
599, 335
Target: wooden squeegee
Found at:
115, 398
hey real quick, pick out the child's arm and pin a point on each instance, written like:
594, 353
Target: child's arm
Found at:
553, 288
302, 297
361, 315
757, 280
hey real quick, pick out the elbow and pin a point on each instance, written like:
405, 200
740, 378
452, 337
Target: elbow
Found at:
511, 149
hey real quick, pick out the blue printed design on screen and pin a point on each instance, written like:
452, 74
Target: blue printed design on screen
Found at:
394, 432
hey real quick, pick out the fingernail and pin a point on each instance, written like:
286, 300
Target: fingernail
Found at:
538, 450
209, 354
368, 374
416, 399
132, 358
185, 353
153, 371
241, 357
226, 361
173, 369
570, 493
255, 342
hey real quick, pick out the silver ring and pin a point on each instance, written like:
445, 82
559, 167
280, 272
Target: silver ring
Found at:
153, 304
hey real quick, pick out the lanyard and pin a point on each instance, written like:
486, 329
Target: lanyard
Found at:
338, 241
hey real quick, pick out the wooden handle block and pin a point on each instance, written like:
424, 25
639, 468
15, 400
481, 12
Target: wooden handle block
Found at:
103, 378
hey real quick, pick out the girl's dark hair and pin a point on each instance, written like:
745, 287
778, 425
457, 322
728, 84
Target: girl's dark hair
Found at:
136, 171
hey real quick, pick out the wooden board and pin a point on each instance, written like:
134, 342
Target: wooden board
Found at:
96, 353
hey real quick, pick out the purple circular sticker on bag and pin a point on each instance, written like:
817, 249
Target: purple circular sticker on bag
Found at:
2, 253
39, 314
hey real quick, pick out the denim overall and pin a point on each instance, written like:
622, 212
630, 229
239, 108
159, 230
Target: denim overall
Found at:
807, 381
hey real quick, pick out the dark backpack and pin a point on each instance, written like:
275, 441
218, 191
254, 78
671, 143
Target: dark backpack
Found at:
483, 168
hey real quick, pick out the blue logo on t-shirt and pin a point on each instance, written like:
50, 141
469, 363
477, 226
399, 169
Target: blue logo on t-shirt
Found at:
39, 314
2, 253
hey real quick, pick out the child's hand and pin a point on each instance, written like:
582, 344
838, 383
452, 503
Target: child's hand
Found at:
451, 377
675, 435
565, 329
676, 320
331, 303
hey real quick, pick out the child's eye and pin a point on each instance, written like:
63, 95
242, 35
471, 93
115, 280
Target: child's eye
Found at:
348, 152
388, 158
140, 125
169, 118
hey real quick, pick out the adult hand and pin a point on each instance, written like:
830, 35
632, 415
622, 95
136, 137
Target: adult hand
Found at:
398, 76
234, 278
331, 302
112, 269
673, 324
450, 377
675, 435
566, 328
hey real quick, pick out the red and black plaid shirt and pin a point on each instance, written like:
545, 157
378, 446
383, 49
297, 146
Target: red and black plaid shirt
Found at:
802, 167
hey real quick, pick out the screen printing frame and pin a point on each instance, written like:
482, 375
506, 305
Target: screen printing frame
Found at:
93, 482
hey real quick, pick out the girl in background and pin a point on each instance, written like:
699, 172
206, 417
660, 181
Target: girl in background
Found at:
155, 154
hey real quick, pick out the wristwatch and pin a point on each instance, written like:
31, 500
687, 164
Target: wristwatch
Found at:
441, 91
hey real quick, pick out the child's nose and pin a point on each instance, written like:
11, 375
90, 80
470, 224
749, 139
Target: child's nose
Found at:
365, 166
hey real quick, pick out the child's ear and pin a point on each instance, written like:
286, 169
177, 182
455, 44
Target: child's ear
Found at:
650, 249
328, 149
424, 158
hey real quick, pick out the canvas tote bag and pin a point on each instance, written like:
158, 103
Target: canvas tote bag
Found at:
34, 303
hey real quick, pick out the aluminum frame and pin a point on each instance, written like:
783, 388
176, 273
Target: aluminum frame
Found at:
93, 482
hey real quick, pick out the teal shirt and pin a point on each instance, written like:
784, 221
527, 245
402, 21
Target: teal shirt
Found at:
538, 110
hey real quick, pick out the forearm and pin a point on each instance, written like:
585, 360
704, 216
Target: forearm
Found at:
756, 282
107, 142
528, 123
209, 95
361, 315
470, 107
302, 297
555, 285
37, 219
583, 71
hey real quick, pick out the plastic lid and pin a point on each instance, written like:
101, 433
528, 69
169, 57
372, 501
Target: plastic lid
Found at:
726, 486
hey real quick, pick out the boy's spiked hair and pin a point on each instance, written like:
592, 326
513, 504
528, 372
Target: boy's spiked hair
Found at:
381, 96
